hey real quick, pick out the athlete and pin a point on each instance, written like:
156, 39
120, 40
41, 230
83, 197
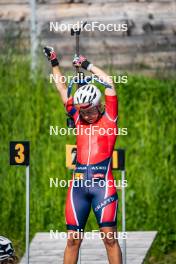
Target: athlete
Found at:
7, 253
93, 163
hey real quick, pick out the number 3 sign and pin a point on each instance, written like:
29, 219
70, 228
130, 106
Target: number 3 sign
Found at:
19, 153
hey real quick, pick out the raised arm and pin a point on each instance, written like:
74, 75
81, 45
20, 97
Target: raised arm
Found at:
81, 61
60, 85
106, 78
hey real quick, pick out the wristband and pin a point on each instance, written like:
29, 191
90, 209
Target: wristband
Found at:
85, 64
54, 62
89, 67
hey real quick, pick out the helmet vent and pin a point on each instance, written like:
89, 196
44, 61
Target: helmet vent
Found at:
94, 96
87, 94
84, 99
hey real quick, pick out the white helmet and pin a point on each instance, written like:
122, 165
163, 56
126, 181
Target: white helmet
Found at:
6, 248
87, 94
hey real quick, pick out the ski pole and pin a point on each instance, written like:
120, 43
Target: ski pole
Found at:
77, 32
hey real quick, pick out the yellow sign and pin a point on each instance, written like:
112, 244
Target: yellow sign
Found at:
117, 158
19, 158
19, 153
71, 156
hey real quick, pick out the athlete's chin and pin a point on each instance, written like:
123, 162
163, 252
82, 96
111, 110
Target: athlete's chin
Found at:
91, 121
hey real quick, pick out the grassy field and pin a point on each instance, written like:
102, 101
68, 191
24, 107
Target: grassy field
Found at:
146, 108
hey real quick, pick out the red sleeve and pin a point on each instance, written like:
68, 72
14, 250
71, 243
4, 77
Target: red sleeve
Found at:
71, 110
111, 107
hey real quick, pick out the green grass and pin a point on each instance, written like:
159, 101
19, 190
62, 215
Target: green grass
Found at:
146, 108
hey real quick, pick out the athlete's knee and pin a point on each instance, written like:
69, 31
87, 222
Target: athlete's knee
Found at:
74, 241
110, 241
71, 242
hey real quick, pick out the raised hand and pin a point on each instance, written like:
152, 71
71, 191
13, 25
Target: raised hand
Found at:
51, 55
81, 61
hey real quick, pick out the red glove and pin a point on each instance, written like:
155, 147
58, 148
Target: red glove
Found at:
81, 61
51, 55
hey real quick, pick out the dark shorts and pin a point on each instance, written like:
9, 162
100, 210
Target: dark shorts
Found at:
92, 186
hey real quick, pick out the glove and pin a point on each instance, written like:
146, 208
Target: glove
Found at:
81, 61
51, 56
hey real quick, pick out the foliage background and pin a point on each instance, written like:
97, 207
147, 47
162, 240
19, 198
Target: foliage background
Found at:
146, 108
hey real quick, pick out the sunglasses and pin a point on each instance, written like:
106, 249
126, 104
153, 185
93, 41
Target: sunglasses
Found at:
89, 111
